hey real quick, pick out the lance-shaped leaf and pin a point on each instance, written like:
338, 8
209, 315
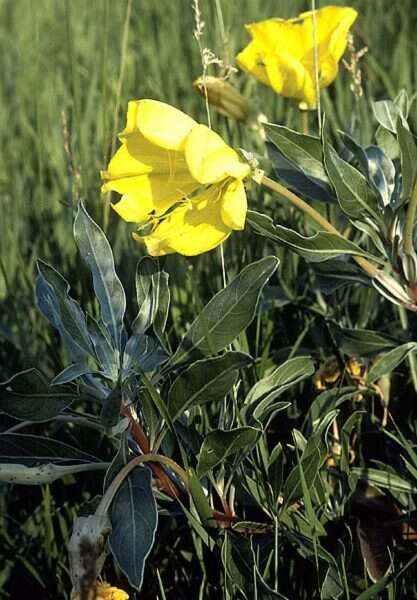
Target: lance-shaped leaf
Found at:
298, 160
387, 112
311, 459
375, 165
317, 248
360, 342
27, 396
97, 253
408, 154
334, 274
33, 449
107, 356
387, 362
259, 402
142, 353
354, 194
134, 519
219, 444
205, 381
228, 313
62, 311
153, 296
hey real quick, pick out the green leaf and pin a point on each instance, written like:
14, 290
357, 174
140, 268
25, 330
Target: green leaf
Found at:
408, 154
97, 253
153, 297
334, 274
33, 449
387, 362
228, 313
28, 397
107, 357
62, 311
311, 459
354, 194
219, 444
134, 519
386, 112
384, 479
258, 402
205, 381
298, 160
319, 247
142, 354
360, 342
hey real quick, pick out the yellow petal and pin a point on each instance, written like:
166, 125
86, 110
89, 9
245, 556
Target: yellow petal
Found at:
210, 159
192, 229
333, 24
147, 193
252, 59
162, 124
234, 205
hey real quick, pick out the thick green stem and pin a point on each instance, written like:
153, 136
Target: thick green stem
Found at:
323, 223
410, 219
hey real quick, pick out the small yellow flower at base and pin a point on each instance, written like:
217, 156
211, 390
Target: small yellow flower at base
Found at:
178, 179
103, 591
282, 55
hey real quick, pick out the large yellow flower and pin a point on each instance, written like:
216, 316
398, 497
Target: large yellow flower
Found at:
281, 53
103, 591
178, 179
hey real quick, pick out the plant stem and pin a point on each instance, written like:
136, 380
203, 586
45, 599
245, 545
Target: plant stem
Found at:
409, 222
370, 269
124, 472
304, 121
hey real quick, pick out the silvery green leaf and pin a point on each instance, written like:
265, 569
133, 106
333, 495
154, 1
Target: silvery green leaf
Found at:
142, 353
259, 401
107, 357
27, 396
219, 444
228, 313
360, 342
62, 311
97, 253
354, 194
206, 380
33, 450
295, 178
134, 519
387, 113
153, 297
389, 361
319, 247
337, 273
408, 153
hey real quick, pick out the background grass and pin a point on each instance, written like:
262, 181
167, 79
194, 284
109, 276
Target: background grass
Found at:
80, 62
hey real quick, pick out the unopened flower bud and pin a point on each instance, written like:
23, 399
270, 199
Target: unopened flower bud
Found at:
223, 96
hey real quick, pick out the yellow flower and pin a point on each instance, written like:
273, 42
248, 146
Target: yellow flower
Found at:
179, 181
103, 591
281, 53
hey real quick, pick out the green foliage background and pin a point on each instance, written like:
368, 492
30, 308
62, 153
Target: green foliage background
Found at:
66, 57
